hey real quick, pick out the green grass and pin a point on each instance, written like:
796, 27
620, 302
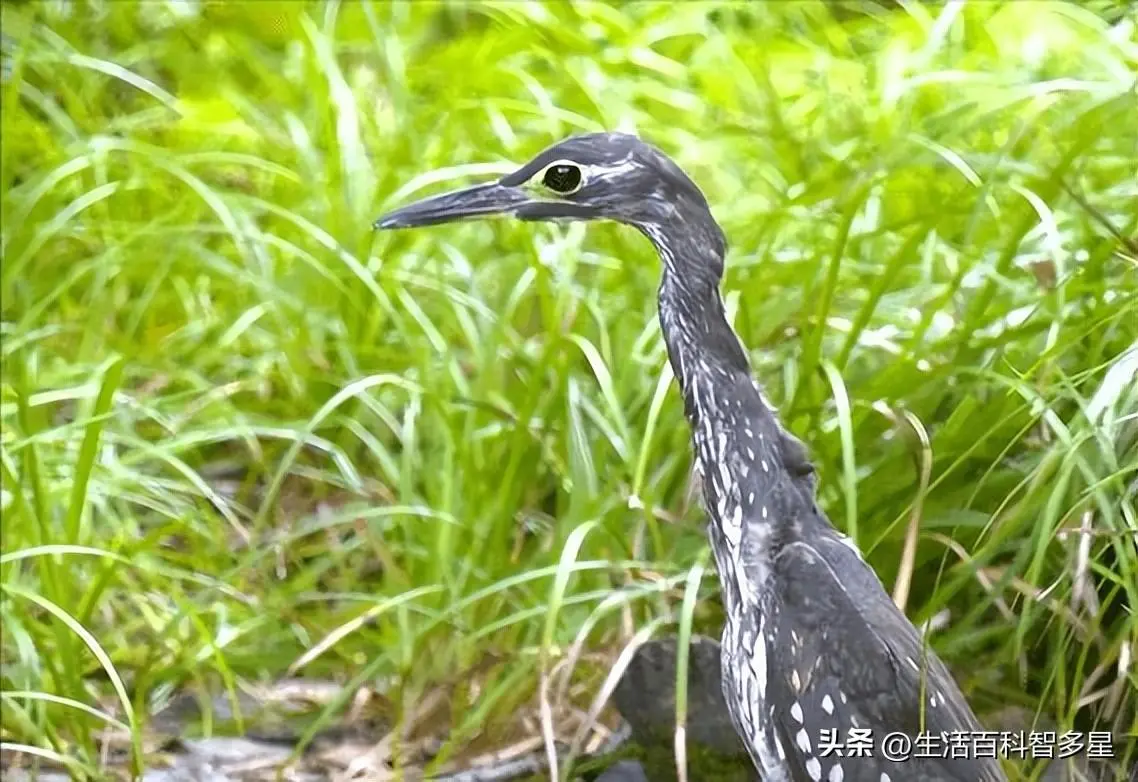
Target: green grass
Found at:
241, 431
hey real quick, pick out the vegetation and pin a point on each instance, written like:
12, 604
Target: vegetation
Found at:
244, 437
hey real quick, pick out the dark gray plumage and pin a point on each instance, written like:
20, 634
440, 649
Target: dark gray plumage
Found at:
812, 641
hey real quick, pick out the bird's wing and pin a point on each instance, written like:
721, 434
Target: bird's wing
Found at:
852, 660
796, 459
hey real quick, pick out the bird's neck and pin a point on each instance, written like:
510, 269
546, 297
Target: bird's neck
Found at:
698, 337
757, 479
692, 316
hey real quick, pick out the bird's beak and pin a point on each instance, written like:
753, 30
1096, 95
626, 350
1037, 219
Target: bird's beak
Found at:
491, 198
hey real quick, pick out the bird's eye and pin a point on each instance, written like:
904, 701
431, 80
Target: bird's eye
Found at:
562, 178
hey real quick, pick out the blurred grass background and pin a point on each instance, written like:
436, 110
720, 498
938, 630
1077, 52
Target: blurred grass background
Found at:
245, 438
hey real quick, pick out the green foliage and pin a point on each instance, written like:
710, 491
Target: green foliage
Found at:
240, 430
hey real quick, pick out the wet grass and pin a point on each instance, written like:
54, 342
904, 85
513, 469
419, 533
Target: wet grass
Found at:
244, 437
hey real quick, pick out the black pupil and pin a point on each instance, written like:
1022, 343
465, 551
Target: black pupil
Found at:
562, 178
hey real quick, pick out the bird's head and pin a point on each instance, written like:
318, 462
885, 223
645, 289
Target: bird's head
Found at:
596, 176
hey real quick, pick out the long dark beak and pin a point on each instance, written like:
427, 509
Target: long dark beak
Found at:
492, 198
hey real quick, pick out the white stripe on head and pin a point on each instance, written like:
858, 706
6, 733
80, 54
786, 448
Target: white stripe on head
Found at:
592, 172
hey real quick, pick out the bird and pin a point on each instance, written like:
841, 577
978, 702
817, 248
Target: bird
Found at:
824, 676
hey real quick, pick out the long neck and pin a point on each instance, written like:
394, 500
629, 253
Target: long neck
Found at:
699, 340
758, 483
692, 317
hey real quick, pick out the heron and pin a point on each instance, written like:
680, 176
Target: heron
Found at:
815, 654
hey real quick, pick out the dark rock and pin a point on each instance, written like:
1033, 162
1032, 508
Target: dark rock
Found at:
646, 699
624, 771
646, 696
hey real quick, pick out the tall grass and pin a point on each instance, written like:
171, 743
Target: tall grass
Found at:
243, 437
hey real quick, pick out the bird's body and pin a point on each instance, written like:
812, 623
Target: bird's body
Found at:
812, 643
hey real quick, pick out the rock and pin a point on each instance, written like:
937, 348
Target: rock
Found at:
624, 771
646, 698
